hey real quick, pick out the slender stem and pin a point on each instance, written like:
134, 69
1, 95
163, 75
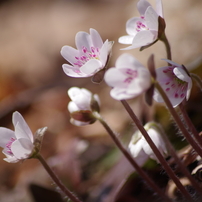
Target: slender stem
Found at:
192, 142
56, 180
197, 79
167, 45
130, 158
161, 159
190, 124
179, 163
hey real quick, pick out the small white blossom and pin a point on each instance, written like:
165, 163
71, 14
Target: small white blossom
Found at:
18, 144
175, 81
90, 56
82, 105
139, 147
143, 30
129, 78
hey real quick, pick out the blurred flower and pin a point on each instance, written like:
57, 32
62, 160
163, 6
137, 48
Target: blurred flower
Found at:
143, 30
18, 144
91, 57
175, 81
139, 147
82, 106
129, 78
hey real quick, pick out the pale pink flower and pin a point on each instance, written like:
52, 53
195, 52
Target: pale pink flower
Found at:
175, 81
18, 144
90, 56
82, 106
129, 78
143, 30
139, 147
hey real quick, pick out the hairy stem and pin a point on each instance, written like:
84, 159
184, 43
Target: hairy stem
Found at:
57, 181
130, 158
160, 157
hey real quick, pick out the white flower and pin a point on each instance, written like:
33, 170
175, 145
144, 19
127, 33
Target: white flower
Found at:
143, 30
139, 147
82, 105
17, 144
129, 78
175, 81
90, 56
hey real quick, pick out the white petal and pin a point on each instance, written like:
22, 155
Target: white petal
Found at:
78, 123
181, 74
69, 54
128, 61
151, 18
142, 38
141, 83
120, 94
142, 6
22, 148
158, 141
126, 39
104, 51
83, 39
11, 159
115, 81
189, 89
174, 101
5, 136
96, 39
172, 63
80, 97
159, 8
22, 130
73, 71
72, 107
91, 67
131, 25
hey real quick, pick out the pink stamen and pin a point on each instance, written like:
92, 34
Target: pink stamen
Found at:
8, 145
87, 55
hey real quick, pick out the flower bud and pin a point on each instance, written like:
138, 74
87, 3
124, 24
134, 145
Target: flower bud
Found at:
139, 147
82, 106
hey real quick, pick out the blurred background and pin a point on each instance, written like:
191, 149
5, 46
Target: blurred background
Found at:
33, 83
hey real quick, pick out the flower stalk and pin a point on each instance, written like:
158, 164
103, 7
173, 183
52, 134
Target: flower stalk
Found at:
130, 158
64, 189
190, 125
161, 159
167, 45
